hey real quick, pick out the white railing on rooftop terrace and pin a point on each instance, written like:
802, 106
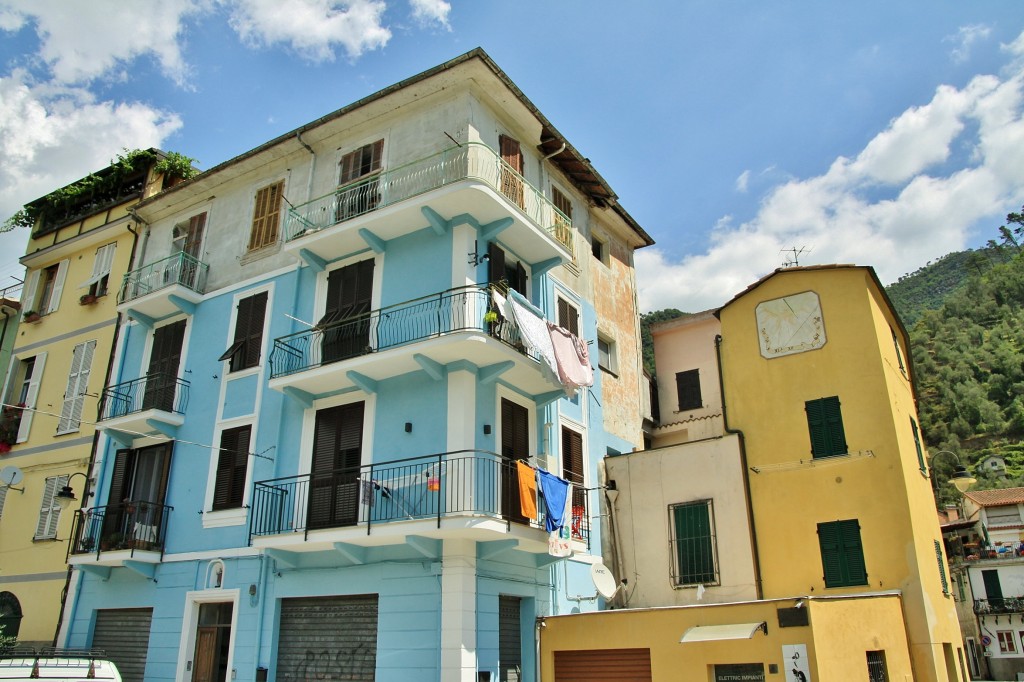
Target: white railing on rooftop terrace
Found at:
472, 160
180, 268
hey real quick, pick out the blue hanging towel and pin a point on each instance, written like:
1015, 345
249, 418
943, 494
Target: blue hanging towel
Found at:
555, 491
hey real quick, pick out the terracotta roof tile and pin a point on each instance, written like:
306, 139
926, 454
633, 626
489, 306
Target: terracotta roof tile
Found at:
991, 498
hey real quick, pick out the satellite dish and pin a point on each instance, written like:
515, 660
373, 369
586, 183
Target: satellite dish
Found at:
603, 580
11, 475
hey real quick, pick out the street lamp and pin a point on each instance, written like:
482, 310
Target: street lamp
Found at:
961, 478
66, 495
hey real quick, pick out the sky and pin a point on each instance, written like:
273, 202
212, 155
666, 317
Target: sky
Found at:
737, 133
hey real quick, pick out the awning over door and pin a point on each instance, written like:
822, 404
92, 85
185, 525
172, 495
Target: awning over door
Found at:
717, 633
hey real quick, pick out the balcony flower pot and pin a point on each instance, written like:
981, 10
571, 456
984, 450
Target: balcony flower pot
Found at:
88, 299
31, 316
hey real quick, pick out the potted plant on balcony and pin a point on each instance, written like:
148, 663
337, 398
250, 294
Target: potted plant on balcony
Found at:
88, 299
10, 421
31, 316
112, 541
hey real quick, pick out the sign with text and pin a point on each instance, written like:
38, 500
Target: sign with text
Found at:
739, 672
795, 663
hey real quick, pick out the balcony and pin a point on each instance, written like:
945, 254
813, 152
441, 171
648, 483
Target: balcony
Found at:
423, 334
468, 180
162, 288
153, 404
467, 495
983, 607
129, 534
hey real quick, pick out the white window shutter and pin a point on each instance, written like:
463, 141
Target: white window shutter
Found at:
58, 286
30, 398
101, 265
49, 510
28, 293
71, 410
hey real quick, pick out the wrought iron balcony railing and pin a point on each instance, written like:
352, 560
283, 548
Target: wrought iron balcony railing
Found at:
460, 309
472, 160
999, 605
464, 483
151, 392
131, 525
180, 268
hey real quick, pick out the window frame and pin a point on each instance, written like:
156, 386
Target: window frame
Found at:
709, 547
98, 283
240, 354
690, 391
1007, 642
33, 295
825, 427
265, 228
564, 307
846, 550
921, 464
49, 508
28, 391
611, 353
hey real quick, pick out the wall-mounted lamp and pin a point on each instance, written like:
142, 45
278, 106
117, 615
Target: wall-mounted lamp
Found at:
408, 427
961, 478
66, 495
487, 429
474, 256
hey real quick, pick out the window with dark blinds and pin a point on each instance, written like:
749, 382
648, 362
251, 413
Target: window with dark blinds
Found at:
362, 161
688, 390
568, 317
247, 346
693, 541
232, 465
842, 555
825, 423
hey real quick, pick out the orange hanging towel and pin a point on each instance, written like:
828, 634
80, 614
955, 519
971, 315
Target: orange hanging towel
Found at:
527, 490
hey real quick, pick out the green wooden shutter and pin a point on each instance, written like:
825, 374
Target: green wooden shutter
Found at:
825, 425
842, 555
917, 444
694, 549
942, 567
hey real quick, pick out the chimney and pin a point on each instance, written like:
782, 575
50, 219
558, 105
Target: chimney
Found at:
952, 513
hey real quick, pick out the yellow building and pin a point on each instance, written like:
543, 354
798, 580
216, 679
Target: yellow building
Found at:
785, 513
77, 254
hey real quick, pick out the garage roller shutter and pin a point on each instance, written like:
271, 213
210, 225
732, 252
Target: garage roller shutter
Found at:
329, 638
124, 635
620, 665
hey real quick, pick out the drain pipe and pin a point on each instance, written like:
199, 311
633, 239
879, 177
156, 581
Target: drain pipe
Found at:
612, 495
538, 625
746, 476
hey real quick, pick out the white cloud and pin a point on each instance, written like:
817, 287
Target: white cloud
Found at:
80, 41
312, 27
743, 182
928, 210
431, 12
52, 136
965, 38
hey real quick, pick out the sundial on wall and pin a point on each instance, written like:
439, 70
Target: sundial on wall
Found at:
791, 324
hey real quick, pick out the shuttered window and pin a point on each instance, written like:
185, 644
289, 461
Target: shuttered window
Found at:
32, 373
688, 390
842, 555
899, 352
99, 280
247, 345
942, 567
232, 465
917, 444
693, 539
78, 385
43, 289
49, 510
361, 162
266, 216
512, 169
188, 236
568, 317
825, 423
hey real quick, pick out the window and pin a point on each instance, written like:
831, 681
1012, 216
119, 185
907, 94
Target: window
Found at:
917, 444
877, 672
1007, 645
49, 511
99, 282
266, 216
688, 390
188, 235
693, 538
942, 567
599, 248
232, 465
606, 355
899, 353
502, 268
361, 162
43, 289
26, 390
563, 216
511, 182
568, 317
842, 555
78, 385
355, 197
825, 423
247, 345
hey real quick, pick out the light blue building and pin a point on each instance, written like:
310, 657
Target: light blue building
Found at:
323, 391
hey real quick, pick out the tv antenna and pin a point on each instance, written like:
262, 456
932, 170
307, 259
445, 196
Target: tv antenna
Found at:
793, 260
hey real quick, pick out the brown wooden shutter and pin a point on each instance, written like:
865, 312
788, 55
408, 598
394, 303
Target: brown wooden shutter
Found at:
495, 263
572, 456
568, 317
266, 216
515, 430
232, 465
511, 182
248, 342
194, 236
337, 452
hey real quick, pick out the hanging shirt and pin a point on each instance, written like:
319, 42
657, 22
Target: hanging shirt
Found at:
555, 491
527, 490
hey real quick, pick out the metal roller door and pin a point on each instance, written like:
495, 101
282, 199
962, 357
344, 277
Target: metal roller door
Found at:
124, 635
618, 665
328, 638
510, 645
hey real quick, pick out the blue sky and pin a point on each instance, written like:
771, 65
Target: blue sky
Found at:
878, 133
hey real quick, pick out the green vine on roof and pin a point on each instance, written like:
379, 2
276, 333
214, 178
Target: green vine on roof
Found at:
127, 164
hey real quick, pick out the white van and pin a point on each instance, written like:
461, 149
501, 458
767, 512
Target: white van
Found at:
58, 665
